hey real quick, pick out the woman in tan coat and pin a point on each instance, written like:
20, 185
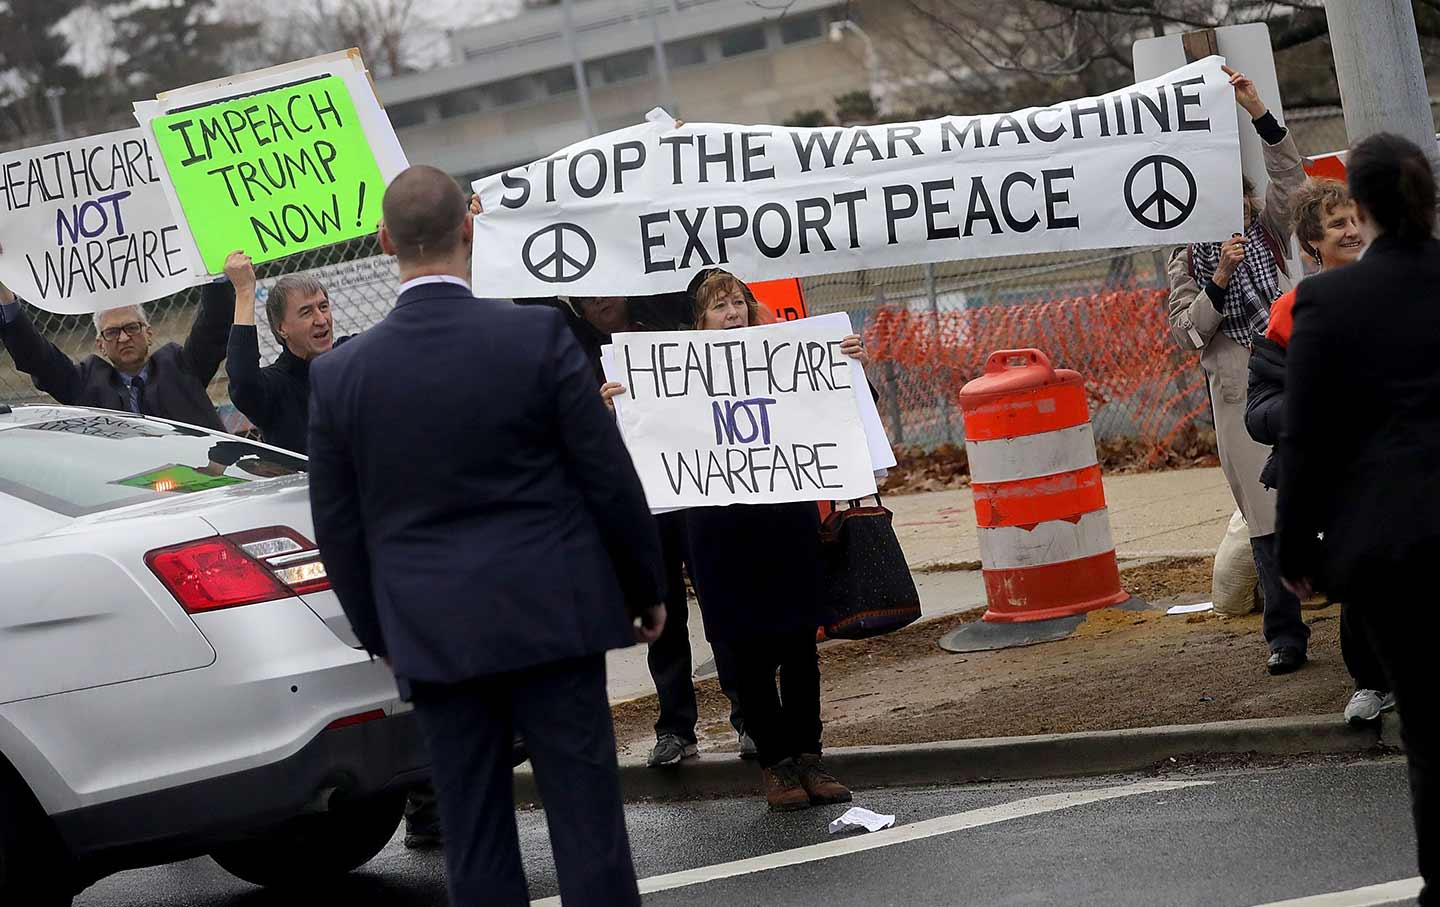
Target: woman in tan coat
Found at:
1220, 297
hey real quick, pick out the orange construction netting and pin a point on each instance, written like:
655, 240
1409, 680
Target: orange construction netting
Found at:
1140, 383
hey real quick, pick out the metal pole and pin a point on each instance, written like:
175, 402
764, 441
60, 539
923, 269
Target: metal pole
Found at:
582, 84
57, 112
1382, 80
662, 66
934, 298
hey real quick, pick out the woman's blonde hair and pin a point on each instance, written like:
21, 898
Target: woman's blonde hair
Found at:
719, 283
1312, 204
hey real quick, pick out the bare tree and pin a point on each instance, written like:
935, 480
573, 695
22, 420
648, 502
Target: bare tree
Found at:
974, 50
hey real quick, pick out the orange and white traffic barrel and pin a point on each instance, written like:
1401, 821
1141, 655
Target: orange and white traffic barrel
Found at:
1045, 543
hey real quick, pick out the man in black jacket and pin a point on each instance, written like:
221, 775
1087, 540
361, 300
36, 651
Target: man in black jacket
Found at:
276, 398
169, 382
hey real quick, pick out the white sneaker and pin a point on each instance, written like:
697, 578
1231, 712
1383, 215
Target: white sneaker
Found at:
1367, 705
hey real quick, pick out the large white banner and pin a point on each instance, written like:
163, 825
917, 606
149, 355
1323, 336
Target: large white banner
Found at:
640, 210
749, 416
86, 225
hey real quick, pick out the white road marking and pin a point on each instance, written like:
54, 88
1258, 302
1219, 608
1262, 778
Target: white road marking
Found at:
975, 818
1403, 891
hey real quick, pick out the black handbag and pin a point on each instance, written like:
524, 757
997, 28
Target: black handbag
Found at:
867, 587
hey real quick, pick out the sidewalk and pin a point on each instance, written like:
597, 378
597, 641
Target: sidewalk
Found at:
1163, 514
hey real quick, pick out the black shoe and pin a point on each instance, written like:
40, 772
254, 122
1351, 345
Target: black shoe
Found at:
1284, 660
520, 753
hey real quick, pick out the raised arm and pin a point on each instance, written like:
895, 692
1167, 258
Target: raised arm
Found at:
249, 390
52, 371
205, 347
1283, 163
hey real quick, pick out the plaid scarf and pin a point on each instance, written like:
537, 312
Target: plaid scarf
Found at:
1252, 289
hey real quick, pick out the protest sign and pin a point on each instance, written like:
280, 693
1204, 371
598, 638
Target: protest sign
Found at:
750, 416
86, 226
639, 211
276, 162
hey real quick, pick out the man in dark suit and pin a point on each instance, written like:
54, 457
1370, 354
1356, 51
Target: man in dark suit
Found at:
169, 382
484, 528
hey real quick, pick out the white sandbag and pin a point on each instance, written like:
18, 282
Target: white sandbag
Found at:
1235, 586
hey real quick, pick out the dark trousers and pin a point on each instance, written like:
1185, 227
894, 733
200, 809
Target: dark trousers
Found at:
564, 714
1404, 638
1361, 659
783, 721
671, 667
1283, 625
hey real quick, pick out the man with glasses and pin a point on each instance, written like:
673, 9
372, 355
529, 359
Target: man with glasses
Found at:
168, 382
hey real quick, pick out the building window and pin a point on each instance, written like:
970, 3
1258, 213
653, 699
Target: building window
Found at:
403, 116
459, 103
686, 53
794, 29
621, 67
742, 41
558, 81
512, 91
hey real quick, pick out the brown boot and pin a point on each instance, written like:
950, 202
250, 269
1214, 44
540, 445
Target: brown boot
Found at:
819, 784
783, 790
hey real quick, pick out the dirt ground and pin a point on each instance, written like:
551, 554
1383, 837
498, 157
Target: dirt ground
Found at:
1120, 669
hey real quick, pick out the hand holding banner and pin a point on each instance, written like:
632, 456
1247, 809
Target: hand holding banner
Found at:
747, 416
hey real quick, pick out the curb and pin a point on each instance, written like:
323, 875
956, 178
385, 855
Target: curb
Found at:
1007, 758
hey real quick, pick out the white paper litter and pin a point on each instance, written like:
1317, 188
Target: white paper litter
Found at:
858, 817
1192, 609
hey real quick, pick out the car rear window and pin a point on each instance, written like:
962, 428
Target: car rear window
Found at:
85, 464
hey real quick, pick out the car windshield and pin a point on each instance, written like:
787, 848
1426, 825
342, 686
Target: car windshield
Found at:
85, 464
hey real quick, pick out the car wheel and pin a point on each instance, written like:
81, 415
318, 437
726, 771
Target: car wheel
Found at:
313, 849
31, 870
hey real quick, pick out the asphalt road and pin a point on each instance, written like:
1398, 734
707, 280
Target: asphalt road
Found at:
1212, 836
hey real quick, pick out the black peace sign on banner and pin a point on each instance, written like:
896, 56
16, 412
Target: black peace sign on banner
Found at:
1168, 203
547, 257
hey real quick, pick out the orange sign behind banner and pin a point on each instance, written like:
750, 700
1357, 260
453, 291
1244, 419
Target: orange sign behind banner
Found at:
784, 298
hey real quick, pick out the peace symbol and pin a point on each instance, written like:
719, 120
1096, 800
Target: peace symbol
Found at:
1169, 209
559, 266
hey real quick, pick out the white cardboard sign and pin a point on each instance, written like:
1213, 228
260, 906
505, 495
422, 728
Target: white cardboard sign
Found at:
754, 415
85, 225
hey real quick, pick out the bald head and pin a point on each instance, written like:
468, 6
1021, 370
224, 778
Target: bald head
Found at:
425, 217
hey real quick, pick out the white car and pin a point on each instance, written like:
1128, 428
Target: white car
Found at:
176, 677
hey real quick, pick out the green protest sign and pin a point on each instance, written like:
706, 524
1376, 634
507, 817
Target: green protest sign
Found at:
273, 173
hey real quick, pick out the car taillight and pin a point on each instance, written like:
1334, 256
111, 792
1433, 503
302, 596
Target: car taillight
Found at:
242, 569
293, 559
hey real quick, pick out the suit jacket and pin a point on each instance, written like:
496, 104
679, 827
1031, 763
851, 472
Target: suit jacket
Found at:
178, 376
1360, 449
275, 398
475, 507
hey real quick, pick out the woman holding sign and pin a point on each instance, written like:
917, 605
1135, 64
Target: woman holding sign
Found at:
761, 604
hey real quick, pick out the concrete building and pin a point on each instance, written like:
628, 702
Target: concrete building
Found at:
510, 95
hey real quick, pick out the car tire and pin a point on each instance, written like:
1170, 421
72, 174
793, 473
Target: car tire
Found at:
314, 849
31, 866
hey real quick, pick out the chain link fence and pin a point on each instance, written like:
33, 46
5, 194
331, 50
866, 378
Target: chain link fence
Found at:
930, 327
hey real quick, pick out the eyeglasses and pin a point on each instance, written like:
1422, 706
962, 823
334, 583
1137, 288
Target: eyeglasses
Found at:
133, 329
